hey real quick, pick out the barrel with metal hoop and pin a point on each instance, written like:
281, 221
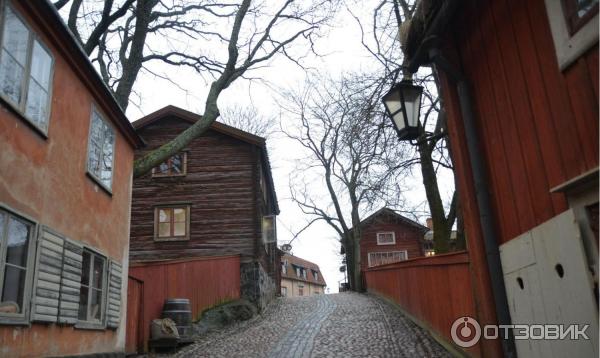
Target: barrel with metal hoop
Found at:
178, 309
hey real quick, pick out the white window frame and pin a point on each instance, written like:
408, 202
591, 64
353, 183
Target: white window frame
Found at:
20, 108
23, 317
265, 234
405, 252
95, 324
386, 233
284, 291
114, 154
569, 48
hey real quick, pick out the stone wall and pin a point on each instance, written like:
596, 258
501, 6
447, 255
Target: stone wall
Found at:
256, 284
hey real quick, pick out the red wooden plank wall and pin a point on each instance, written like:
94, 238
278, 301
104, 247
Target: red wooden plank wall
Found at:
538, 126
134, 329
204, 281
435, 290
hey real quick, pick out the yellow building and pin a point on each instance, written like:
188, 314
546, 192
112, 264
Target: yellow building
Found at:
300, 277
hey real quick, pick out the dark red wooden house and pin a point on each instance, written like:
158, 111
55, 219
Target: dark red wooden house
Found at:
388, 237
213, 200
519, 81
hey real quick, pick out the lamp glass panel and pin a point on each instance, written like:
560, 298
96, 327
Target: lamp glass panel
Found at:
412, 99
399, 120
392, 101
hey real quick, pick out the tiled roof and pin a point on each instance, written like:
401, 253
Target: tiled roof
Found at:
309, 266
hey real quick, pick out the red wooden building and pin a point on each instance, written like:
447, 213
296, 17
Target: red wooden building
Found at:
519, 81
66, 161
387, 237
213, 199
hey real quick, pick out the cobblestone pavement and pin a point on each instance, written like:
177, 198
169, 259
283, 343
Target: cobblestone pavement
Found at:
338, 325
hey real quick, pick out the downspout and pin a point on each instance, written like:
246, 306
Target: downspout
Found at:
483, 199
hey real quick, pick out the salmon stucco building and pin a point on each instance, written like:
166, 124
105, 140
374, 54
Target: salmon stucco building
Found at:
66, 162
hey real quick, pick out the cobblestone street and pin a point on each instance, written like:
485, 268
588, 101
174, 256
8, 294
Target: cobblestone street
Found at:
338, 325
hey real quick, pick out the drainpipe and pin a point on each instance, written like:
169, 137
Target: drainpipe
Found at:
483, 199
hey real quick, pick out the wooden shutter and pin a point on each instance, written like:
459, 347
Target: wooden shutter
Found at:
114, 295
48, 269
70, 283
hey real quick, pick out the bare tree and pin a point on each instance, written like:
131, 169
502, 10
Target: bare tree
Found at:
390, 17
248, 118
256, 34
351, 152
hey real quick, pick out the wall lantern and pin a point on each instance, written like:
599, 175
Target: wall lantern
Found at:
286, 248
403, 106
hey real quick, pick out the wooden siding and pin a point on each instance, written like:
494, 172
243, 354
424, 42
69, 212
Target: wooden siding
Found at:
219, 187
205, 282
433, 290
134, 342
408, 238
538, 126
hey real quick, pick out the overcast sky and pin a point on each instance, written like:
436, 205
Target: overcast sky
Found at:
342, 52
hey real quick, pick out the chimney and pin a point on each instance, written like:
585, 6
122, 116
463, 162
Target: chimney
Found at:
430, 223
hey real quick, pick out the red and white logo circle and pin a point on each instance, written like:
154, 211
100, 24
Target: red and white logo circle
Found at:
465, 332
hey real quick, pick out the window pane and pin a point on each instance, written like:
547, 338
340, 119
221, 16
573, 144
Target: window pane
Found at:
12, 292
37, 104
16, 37
83, 303
179, 229
85, 271
179, 215
164, 230
41, 65
96, 305
164, 215
163, 168
94, 154
98, 273
107, 156
11, 76
177, 164
18, 238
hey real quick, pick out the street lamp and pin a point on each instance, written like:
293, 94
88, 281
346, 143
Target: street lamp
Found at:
403, 106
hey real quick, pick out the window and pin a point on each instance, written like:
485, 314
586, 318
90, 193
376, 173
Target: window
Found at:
15, 265
382, 258
174, 166
172, 223
93, 288
304, 273
284, 268
101, 150
386, 238
284, 291
428, 249
574, 26
25, 71
300, 290
269, 233
315, 275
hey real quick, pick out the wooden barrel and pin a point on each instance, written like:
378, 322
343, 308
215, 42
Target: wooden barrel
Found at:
178, 309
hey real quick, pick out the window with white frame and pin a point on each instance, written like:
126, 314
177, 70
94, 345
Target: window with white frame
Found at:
284, 268
389, 257
386, 238
93, 288
574, 27
284, 291
101, 150
16, 236
25, 70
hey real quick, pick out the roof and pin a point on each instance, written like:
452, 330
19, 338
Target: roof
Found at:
54, 27
309, 266
388, 211
191, 117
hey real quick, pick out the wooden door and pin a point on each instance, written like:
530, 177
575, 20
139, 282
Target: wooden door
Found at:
134, 342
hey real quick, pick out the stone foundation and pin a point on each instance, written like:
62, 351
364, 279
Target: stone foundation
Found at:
256, 285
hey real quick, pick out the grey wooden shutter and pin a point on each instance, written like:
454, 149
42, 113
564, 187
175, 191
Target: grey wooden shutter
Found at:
70, 283
48, 269
114, 294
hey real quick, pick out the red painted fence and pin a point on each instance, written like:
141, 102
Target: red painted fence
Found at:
204, 281
433, 290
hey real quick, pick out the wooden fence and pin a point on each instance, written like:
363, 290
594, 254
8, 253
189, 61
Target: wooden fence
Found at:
434, 291
206, 282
